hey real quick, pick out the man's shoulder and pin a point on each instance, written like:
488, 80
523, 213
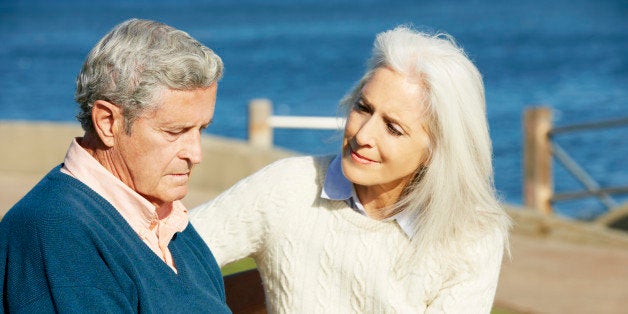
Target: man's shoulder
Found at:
56, 200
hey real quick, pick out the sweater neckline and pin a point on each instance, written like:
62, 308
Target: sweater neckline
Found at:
364, 222
122, 223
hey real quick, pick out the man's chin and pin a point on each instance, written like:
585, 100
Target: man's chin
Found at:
175, 194
178, 196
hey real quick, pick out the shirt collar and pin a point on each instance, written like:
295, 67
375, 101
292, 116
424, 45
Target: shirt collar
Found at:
136, 210
338, 188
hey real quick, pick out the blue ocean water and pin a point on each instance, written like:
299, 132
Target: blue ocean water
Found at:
305, 55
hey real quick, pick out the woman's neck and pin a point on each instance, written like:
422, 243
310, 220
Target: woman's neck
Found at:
378, 202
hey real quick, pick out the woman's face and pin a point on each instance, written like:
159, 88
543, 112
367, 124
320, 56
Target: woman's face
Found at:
384, 139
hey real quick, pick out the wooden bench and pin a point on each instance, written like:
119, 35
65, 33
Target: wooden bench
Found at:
245, 292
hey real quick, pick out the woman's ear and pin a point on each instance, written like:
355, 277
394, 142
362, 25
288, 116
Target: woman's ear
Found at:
108, 121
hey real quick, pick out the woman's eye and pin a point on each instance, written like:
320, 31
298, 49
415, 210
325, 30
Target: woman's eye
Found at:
394, 130
359, 106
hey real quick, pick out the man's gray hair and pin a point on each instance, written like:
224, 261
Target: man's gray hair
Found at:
135, 61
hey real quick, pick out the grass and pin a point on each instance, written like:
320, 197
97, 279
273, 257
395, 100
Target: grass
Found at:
249, 263
238, 266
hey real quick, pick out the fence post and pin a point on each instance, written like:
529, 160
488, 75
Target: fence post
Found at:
260, 131
537, 162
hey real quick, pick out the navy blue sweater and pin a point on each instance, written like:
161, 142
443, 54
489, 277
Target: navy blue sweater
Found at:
64, 248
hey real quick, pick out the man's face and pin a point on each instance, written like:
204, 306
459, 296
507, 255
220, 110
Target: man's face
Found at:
157, 157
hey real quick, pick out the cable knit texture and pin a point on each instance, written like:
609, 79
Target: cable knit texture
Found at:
319, 256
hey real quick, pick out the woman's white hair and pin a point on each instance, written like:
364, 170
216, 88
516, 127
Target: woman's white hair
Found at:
453, 195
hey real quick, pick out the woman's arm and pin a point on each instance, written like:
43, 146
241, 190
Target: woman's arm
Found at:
233, 224
472, 289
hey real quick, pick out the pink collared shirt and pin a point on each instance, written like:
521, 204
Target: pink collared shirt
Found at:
139, 213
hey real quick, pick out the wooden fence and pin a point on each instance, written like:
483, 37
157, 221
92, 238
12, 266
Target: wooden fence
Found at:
539, 152
262, 122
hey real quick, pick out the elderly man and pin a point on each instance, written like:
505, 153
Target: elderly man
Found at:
105, 231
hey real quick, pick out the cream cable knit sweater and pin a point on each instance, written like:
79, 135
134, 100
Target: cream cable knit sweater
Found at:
320, 256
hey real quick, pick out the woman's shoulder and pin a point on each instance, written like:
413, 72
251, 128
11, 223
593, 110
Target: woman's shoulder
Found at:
296, 173
300, 165
303, 160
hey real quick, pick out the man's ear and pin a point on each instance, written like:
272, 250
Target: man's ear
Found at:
108, 121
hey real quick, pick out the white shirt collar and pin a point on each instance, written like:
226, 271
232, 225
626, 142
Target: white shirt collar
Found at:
338, 188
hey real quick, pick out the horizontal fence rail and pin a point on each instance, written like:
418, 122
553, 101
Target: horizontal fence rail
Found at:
262, 122
296, 122
539, 149
590, 126
599, 192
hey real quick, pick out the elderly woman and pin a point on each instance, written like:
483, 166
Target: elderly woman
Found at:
404, 219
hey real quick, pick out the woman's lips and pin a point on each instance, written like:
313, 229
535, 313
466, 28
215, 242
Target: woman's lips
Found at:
360, 159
